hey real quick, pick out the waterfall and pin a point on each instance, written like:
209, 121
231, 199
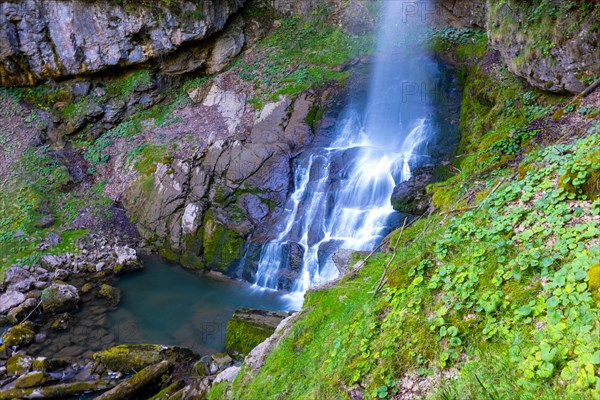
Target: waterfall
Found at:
342, 191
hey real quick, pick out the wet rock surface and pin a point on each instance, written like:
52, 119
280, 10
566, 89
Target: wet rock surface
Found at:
410, 197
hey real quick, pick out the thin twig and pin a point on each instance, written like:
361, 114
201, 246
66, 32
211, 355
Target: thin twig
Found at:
458, 210
32, 311
382, 280
361, 263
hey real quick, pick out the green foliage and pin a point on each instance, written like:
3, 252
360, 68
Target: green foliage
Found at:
299, 55
506, 284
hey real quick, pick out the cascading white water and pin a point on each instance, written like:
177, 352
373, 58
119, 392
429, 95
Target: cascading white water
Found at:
342, 192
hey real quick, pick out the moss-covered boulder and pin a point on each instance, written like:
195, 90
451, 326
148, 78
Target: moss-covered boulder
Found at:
33, 379
18, 364
110, 294
125, 358
248, 328
19, 335
48, 364
59, 297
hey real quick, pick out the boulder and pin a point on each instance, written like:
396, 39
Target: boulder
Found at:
10, 300
220, 361
61, 275
110, 294
125, 358
59, 297
127, 260
51, 262
21, 311
33, 379
248, 328
410, 197
341, 259
18, 364
19, 335
15, 274
227, 375
61, 322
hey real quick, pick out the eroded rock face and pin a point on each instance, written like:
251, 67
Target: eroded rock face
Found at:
42, 39
202, 209
553, 54
462, 13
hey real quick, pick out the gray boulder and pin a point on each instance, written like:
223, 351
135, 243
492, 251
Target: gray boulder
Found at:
10, 300
59, 297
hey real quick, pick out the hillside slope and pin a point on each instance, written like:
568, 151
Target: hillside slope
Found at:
495, 294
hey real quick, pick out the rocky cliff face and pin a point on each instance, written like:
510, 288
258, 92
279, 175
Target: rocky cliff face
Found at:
53, 39
201, 206
553, 45
461, 13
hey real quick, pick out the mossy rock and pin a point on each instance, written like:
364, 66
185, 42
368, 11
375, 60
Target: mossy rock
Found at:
19, 364
125, 358
248, 328
19, 335
48, 364
88, 287
33, 379
110, 294
60, 297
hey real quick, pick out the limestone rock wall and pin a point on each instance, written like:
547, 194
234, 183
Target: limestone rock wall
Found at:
51, 39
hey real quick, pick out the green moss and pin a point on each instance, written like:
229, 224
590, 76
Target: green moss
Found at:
125, 358
18, 364
33, 379
242, 336
222, 246
109, 293
539, 27
315, 114
19, 335
299, 55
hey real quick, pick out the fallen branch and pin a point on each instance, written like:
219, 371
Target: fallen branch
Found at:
383, 279
593, 87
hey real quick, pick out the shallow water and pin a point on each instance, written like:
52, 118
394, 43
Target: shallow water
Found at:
169, 305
